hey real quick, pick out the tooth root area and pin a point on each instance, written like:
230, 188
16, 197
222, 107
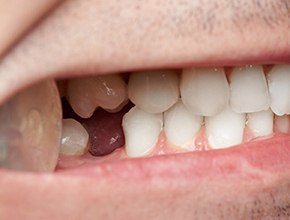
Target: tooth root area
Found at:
141, 130
204, 91
181, 126
279, 89
225, 129
282, 124
249, 90
86, 94
74, 141
261, 123
154, 91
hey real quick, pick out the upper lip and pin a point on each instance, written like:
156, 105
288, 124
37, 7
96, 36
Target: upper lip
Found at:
168, 36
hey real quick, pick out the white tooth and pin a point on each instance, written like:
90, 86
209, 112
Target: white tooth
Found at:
282, 124
249, 91
141, 131
204, 91
261, 123
154, 91
180, 126
279, 88
225, 129
74, 138
86, 94
30, 129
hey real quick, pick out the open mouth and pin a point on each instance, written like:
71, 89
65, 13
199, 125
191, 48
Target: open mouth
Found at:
198, 133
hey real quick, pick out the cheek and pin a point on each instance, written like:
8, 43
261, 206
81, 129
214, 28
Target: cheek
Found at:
16, 18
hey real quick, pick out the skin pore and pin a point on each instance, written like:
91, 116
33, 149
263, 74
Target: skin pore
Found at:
85, 37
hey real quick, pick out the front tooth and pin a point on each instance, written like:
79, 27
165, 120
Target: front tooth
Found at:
141, 130
279, 88
282, 123
261, 123
225, 129
249, 91
154, 91
181, 126
86, 94
30, 129
74, 139
204, 91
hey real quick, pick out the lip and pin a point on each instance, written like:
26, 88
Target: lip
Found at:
253, 177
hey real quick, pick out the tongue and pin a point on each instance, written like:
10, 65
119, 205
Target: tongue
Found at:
104, 128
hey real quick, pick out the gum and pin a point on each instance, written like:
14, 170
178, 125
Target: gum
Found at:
164, 148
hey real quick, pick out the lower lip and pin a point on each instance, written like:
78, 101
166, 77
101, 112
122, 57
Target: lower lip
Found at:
98, 189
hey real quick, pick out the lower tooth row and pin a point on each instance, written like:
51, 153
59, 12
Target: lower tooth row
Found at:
181, 128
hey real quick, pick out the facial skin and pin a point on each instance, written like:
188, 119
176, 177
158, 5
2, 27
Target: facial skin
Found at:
98, 37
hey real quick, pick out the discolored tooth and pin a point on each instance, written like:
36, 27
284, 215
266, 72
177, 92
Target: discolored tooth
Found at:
204, 91
30, 129
141, 131
279, 88
181, 126
225, 129
249, 91
86, 94
154, 91
282, 124
74, 139
261, 123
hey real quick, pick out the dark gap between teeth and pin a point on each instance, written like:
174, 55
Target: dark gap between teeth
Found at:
104, 128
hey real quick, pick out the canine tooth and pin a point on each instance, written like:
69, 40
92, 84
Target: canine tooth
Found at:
249, 91
225, 129
279, 88
282, 124
74, 139
141, 131
204, 91
154, 91
30, 129
86, 94
180, 126
261, 123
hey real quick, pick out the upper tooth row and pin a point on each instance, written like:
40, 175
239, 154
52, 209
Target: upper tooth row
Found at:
204, 91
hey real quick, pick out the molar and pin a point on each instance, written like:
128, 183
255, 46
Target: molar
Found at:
30, 128
86, 94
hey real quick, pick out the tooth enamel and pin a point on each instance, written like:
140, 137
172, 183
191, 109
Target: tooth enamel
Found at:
282, 124
30, 129
74, 139
279, 88
86, 94
225, 129
154, 91
249, 92
141, 130
261, 123
180, 126
204, 91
